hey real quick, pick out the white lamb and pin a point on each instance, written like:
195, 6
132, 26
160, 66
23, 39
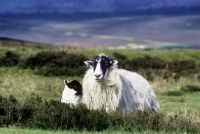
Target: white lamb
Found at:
72, 93
105, 86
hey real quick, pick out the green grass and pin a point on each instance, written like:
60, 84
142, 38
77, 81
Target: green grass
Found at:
20, 48
23, 83
36, 131
168, 55
28, 49
171, 97
186, 103
32, 131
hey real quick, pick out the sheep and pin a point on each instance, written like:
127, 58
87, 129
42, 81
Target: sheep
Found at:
72, 92
107, 87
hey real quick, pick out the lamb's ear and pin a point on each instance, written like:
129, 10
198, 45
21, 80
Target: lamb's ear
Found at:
79, 91
66, 82
88, 63
113, 62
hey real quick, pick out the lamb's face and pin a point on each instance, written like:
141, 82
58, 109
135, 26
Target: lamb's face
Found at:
72, 91
101, 65
75, 85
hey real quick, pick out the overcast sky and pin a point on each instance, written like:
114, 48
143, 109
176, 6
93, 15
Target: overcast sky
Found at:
18, 6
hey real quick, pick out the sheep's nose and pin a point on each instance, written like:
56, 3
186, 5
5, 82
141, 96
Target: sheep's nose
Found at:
97, 75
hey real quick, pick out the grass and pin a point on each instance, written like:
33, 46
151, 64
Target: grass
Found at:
35, 131
28, 49
31, 131
168, 55
171, 97
22, 83
20, 48
183, 103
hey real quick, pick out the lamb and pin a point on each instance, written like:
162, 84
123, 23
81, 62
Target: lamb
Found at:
107, 87
72, 93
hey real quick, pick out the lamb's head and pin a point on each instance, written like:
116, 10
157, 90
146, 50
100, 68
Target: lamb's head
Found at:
101, 65
71, 92
75, 85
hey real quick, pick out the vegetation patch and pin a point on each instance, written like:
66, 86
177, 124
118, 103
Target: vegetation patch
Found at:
9, 59
174, 93
190, 88
174, 76
181, 100
153, 66
61, 63
53, 115
56, 63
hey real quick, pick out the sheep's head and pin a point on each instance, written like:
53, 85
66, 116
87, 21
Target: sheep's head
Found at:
71, 92
75, 85
101, 65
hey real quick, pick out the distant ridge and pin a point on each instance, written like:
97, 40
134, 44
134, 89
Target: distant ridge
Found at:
37, 43
11, 39
22, 41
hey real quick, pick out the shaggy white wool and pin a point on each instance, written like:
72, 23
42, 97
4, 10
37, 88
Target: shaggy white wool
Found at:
68, 96
105, 94
121, 90
137, 93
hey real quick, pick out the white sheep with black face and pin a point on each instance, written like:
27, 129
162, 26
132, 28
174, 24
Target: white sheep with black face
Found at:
72, 93
105, 86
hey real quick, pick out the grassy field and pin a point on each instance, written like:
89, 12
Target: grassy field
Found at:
27, 49
32, 131
23, 82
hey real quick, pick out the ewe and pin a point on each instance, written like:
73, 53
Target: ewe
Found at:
72, 92
105, 86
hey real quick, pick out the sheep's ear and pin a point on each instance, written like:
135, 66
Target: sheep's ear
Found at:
88, 63
113, 62
66, 82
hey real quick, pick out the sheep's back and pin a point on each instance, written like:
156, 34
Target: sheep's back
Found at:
138, 92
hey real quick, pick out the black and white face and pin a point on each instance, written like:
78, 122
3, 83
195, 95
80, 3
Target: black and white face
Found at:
72, 92
101, 65
75, 85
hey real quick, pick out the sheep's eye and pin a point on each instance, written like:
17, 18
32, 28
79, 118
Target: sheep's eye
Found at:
94, 65
107, 64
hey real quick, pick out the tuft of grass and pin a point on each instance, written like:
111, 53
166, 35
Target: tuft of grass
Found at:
190, 88
174, 93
